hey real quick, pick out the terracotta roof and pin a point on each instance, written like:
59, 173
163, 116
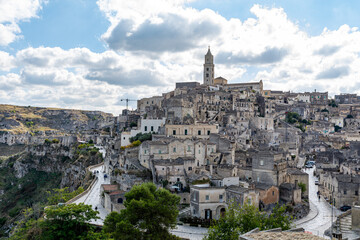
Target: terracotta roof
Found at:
284, 236
116, 192
109, 187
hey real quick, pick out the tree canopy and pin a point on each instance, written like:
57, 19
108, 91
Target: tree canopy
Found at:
149, 213
60, 222
238, 220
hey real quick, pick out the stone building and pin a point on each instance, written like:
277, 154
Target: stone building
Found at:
269, 167
207, 202
147, 102
199, 130
241, 196
111, 198
268, 195
201, 151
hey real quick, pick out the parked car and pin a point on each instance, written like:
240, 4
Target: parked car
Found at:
316, 182
345, 208
311, 163
105, 176
308, 166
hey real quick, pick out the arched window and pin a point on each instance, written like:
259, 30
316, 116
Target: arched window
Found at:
120, 200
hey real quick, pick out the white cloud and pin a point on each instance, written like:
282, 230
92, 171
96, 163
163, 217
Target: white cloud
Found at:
154, 44
11, 13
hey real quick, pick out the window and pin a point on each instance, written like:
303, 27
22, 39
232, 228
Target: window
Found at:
261, 162
152, 128
207, 197
124, 138
185, 131
120, 200
208, 132
199, 132
207, 69
189, 148
212, 150
273, 193
199, 151
174, 150
145, 128
220, 197
189, 168
194, 211
145, 151
174, 132
345, 192
207, 75
356, 193
159, 151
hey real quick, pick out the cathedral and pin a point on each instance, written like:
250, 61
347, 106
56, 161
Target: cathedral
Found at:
209, 80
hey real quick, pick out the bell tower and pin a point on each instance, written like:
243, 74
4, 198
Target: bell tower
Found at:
209, 68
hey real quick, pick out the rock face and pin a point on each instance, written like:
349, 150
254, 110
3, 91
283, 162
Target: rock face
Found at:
56, 158
28, 172
31, 125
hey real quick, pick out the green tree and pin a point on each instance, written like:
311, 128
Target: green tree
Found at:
238, 220
68, 221
302, 186
62, 195
61, 222
149, 213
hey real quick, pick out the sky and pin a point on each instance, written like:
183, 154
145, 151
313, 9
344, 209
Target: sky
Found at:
90, 54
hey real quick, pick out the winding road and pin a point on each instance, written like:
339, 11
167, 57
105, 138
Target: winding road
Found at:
319, 218
93, 197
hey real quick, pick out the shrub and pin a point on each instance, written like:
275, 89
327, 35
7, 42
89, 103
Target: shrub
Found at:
136, 143
200, 181
14, 211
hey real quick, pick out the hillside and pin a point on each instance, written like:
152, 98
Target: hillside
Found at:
35, 120
27, 173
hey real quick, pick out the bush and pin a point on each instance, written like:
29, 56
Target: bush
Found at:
302, 186
200, 181
136, 143
47, 141
55, 140
141, 137
14, 211
2, 221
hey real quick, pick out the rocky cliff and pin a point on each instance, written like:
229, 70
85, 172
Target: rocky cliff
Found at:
28, 172
31, 125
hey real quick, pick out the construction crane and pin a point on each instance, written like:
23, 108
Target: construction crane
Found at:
127, 102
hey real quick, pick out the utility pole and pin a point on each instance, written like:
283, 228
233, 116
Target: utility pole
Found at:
127, 102
332, 213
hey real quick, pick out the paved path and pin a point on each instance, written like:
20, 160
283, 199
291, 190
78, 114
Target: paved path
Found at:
193, 233
93, 197
319, 218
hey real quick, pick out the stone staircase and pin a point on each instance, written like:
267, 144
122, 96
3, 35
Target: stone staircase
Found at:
345, 223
